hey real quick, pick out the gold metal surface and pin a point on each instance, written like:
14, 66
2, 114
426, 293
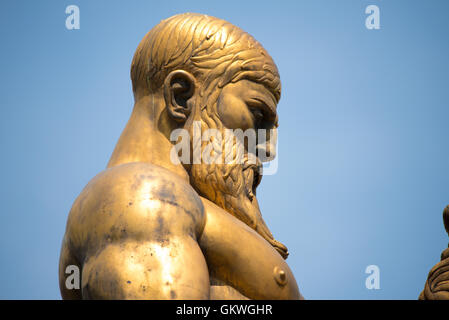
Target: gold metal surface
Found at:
150, 228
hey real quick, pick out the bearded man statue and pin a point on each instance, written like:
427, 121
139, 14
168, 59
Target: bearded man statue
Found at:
153, 227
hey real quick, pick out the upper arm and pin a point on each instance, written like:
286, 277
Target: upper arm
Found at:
147, 270
143, 233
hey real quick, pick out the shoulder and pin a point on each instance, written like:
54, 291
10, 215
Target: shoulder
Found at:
136, 200
141, 181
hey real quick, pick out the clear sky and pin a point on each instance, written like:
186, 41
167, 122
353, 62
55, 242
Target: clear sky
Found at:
363, 141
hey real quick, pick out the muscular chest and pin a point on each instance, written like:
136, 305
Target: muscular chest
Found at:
241, 262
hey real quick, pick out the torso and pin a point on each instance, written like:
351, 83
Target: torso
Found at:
242, 265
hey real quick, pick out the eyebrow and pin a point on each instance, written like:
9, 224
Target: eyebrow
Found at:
271, 107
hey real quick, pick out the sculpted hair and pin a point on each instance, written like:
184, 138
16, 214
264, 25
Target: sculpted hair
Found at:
213, 50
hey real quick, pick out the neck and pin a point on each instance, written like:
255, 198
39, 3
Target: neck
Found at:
141, 141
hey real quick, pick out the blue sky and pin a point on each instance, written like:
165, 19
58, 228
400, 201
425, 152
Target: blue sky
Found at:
363, 140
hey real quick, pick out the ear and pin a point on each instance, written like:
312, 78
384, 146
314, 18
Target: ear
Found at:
179, 90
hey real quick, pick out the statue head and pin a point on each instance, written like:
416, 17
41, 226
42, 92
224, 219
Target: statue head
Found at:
197, 69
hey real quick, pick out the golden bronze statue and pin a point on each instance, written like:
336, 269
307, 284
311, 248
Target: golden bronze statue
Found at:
149, 227
437, 284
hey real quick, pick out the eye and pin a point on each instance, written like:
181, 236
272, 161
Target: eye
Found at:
257, 114
262, 114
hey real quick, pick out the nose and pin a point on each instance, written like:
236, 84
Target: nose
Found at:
266, 147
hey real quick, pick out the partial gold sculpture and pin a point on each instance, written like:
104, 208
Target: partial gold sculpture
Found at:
149, 227
437, 284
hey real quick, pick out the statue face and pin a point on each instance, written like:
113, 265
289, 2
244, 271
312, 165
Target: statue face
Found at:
248, 105
241, 105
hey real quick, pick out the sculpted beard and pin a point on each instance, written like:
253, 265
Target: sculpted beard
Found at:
232, 185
